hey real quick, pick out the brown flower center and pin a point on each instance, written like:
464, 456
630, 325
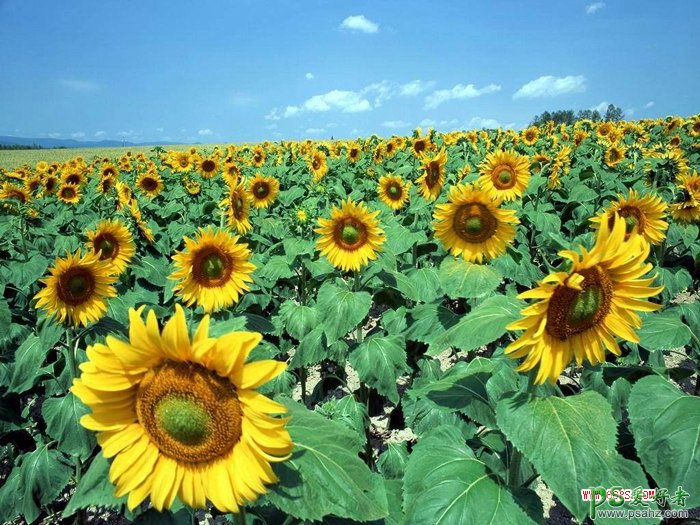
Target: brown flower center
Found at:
149, 184
76, 286
107, 244
503, 177
350, 234
474, 223
211, 267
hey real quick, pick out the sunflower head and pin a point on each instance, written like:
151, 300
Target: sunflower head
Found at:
504, 175
351, 237
114, 243
393, 191
237, 206
208, 167
318, 165
69, 193
150, 184
433, 177
263, 190
643, 216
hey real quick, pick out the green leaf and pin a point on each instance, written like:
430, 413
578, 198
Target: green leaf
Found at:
94, 489
582, 193
298, 319
427, 323
575, 435
325, 476
392, 462
153, 270
23, 275
666, 427
347, 411
460, 278
44, 474
663, 330
445, 484
276, 267
62, 416
5, 317
426, 283
674, 281
341, 308
26, 369
312, 349
379, 362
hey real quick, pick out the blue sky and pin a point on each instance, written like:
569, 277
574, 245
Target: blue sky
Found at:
216, 71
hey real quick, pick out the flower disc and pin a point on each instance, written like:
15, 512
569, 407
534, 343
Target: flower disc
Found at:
263, 191
393, 191
504, 175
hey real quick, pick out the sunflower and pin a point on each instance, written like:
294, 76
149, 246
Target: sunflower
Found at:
69, 193
433, 176
614, 155
580, 312
354, 152
9, 191
77, 289
114, 242
181, 416
208, 167
109, 170
150, 184
393, 191
232, 173
530, 135
212, 270
643, 215
50, 184
579, 137
687, 209
472, 225
181, 161
504, 175
318, 165
421, 145
193, 187
538, 161
378, 154
351, 237
691, 183
258, 158
694, 127
237, 205
263, 190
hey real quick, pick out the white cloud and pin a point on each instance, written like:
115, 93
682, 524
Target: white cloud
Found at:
309, 76
460, 91
241, 100
160, 130
649, 104
395, 124
100, 134
345, 101
124, 134
600, 108
314, 131
452, 122
359, 23
550, 86
53, 135
491, 123
271, 126
204, 132
77, 135
83, 86
427, 122
592, 8
629, 112
414, 88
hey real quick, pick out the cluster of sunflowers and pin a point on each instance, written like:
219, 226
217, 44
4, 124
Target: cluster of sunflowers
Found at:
180, 414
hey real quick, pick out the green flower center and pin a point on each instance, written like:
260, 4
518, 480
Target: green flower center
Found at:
586, 305
107, 247
78, 285
393, 191
183, 420
473, 225
350, 234
505, 176
213, 266
261, 190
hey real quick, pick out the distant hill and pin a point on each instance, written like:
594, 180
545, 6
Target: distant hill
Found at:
70, 143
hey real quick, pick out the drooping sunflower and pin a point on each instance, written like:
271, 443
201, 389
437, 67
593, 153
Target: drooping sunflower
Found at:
114, 242
614, 155
393, 191
232, 173
581, 312
237, 206
351, 237
504, 175
69, 193
691, 183
50, 184
150, 184
213, 270
642, 214
472, 225
208, 167
263, 190
77, 289
9, 191
318, 165
433, 177
180, 415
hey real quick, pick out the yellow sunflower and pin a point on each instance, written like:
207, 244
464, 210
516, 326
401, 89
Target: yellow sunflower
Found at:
263, 190
109, 170
208, 167
642, 214
114, 242
421, 145
580, 312
433, 177
69, 193
180, 415
354, 152
50, 184
232, 173
318, 165
504, 175
75, 177
472, 225
687, 210
9, 191
181, 161
150, 184
691, 183
530, 135
393, 191
614, 155
258, 158
213, 270
237, 206
77, 289
351, 237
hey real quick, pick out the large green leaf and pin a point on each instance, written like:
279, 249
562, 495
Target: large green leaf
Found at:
22, 274
325, 476
62, 416
666, 427
341, 308
312, 349
445, 484
298, 319
27, 369
43, 476
153, 269
94, 488
428, 323
276, 267
379, 362
426, 283
663, 330
571, 443
460, 278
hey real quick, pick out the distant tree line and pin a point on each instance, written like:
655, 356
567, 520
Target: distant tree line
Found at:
569, 116
19, 146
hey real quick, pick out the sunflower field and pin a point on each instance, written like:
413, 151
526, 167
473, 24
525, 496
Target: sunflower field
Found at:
447, 328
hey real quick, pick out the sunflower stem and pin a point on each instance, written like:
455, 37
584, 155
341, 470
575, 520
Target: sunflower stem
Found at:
23, 234
240, 517
72, 342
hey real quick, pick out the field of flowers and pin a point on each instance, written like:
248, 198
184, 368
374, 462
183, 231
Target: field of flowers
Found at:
434, 329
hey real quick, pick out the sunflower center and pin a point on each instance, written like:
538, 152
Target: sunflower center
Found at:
211, 267
149, 184
73, 178
504, 177
316, 164
350, 234
261, 190
108, 245
75, 286
190, 413
394, 191
433, 175
571, 311
68, 193
474, 223
208, 165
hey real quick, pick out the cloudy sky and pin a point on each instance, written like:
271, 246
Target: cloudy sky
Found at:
225, 71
